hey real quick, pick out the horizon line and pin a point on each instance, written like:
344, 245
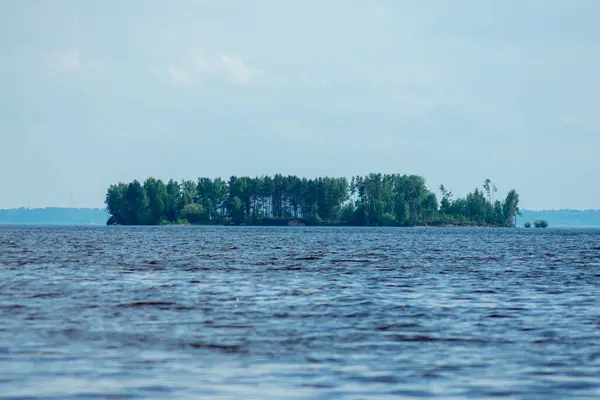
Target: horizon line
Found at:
104, 208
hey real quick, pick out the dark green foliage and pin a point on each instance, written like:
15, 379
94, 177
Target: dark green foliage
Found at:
540, 223
137, 211
527, 225
236, 210
116, 203
193, 213
188, 193
510, 208
157, 199
173, 201
372, 200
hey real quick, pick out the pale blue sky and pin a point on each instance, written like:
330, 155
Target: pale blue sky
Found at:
454, 90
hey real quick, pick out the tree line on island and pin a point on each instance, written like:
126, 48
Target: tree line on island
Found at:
371, 200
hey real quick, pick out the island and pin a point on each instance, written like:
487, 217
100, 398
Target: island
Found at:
371, 200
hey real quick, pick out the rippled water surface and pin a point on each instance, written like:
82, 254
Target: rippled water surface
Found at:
278, 313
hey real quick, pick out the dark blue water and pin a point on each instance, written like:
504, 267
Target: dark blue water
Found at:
278, 313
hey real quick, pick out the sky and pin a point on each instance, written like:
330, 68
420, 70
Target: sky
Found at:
457, 91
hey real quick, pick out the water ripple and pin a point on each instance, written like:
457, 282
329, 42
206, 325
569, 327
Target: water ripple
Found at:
215, 312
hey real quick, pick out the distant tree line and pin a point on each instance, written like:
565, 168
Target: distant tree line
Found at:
371, 200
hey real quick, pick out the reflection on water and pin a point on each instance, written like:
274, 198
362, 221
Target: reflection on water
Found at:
183, 312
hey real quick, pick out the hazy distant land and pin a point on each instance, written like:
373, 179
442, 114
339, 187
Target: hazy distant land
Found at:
562, 218
53, 216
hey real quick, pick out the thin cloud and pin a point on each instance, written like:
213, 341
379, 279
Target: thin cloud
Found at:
199, 67
233, 69
71, 61
585, 125
178, 77
568, 120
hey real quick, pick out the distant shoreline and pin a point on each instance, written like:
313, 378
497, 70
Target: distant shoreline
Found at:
296, 223
66, 216
53, 216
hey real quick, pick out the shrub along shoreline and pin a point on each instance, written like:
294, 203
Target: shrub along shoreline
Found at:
371, 200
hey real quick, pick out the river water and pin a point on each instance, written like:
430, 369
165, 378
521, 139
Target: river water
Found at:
285, 313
